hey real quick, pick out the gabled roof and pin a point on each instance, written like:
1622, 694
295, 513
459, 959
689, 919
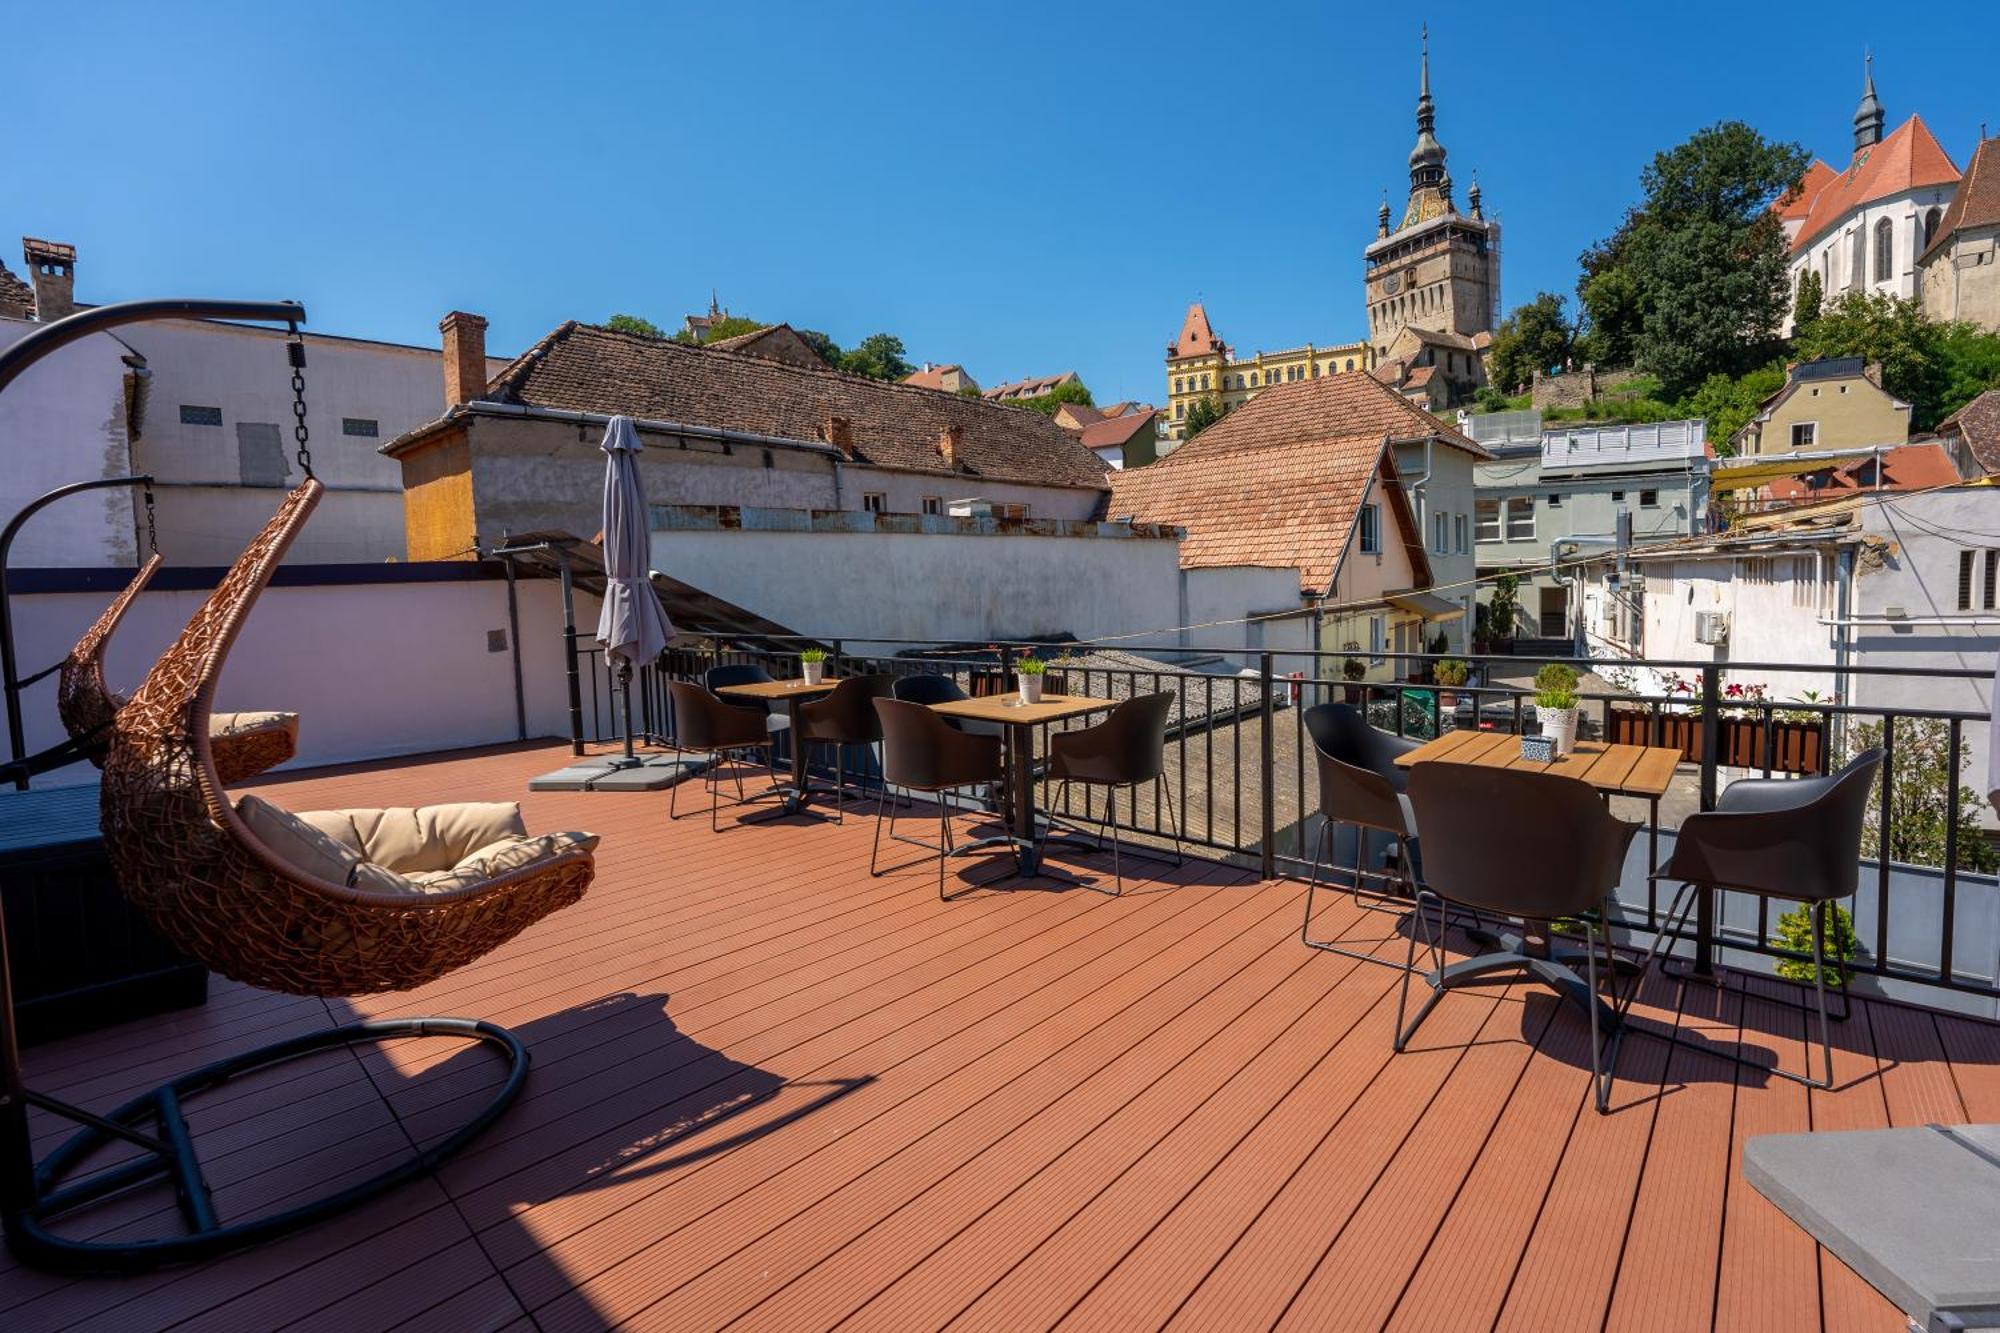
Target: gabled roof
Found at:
1799, 206
1196, 337
1978, 424
1907, 467
1032, 387
778, 342
1908, 159
1278, 482
1977, 203
932, 377
587, 368
1112, 432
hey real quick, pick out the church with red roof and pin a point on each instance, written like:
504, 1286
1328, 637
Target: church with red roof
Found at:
1864, 228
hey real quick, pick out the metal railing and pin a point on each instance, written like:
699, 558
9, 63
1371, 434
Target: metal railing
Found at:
1241, 775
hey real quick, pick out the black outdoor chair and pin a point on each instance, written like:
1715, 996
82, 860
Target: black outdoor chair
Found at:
1792, 838
1361, 786
930, 688
843, 717
1127, 749
921, 753
704, 722
1524, 844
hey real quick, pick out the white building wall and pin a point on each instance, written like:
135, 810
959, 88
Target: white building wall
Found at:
372, 669
62, 421
1831, 255
1448, 493
1216, 602
1773, 604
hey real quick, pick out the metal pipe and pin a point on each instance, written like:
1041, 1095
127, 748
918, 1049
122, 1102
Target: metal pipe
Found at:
83, 323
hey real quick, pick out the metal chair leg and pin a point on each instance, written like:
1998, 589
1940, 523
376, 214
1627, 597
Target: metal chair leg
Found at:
1322, 855
875, 849
1403, 1033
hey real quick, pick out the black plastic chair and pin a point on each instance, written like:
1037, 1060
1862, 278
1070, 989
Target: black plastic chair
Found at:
843, 717
930, 688
1797, 839
921, 753
1361, 786
1127, 749
704, 722
1523, 844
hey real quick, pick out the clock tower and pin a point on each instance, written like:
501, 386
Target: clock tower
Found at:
1437, 271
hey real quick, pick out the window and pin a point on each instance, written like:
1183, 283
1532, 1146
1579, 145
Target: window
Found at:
1931, 220
1992, 569
260, 454
1965, 561
1989, 580
1204, 382
1371, 529
1441, 533
1649, 499
1350, 363
1458, 532
1885, 250
1180, 410
1253, 379
1013, 511
1488, 514
1618, 497
1521, 518
933, 504
1375, 640
1177, 383
365, 427
875, 502
1555, 500
1857, 260
1804, 433
192, 415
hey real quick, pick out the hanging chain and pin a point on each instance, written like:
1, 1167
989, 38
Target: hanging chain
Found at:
152, 528
295, 352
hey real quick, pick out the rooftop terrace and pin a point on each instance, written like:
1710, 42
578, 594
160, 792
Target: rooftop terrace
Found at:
772, 1092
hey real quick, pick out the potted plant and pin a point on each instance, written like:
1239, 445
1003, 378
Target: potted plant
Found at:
812, 661
1031, 671
1352, 669
1449, 674
1555, 704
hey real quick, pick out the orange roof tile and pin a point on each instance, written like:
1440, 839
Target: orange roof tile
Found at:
1977, 203
1113, 431
1908, 467
1795, 208
1196, 338
1277, 482
1908, 159
931, 377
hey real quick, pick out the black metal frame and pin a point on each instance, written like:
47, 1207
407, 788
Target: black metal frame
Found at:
1400, 904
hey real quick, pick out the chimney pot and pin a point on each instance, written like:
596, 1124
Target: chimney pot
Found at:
464, 357
948, 441
52, 269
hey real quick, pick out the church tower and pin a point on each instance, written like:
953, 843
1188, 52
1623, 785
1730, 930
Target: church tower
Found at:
1438, 270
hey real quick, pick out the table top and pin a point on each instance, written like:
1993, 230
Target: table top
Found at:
777, 689
1628, 770
1009, 709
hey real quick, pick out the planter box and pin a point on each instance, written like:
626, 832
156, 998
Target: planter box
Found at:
1796, 747
82, 957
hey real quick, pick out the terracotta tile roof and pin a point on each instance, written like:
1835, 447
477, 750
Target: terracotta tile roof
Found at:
1075, 416
778, 342
932, 377
586, 368
14, 292
1276, 483
1420, 377
1978, 423
1441, 338
1906, 468
1196, 337
1114, 431
1908, 159
1977, 203
1799, 206
1123, 407
1032, 387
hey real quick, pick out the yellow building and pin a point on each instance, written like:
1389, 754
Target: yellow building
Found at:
1200, 365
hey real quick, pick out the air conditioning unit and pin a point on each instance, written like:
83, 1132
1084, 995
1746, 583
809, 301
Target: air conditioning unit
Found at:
1711, 627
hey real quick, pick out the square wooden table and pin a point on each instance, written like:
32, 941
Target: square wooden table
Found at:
791, 693
1020, 720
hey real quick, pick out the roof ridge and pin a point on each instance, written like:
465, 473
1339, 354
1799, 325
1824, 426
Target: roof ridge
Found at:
508, 381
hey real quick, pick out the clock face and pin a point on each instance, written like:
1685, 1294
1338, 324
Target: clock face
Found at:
1393, 284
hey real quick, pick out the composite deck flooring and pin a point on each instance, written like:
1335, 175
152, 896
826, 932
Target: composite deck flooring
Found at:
773, 1092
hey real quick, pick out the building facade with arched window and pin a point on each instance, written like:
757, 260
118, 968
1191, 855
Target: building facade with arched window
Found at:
1865, 227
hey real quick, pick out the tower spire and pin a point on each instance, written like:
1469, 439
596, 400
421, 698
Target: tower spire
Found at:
1427, 170
1868, 117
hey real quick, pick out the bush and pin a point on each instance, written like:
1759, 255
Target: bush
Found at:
1918, 807
1837, 944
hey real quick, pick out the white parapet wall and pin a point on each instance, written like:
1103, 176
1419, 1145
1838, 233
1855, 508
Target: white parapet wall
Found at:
376, 660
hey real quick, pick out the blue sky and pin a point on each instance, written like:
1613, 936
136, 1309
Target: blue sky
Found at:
1021, 188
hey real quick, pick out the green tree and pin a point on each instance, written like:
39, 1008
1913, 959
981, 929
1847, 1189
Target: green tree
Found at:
730, 326
1812, 297
1072, 391
1537, 336
1205, 413
645, 328
1925, 798
878, 356
1503, 607
829, 350
1936, 368
1693, 281
1728, 404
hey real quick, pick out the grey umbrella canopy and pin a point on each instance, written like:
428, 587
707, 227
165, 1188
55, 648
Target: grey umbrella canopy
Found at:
633, 627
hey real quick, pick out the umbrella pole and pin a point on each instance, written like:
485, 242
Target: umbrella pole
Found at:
625, 687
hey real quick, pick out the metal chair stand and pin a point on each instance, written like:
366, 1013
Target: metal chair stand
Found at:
886, 803
1108, 825
712, 778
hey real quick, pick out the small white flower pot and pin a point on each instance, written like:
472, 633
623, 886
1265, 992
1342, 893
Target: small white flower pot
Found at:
1560, 725
815, 672
1031, 689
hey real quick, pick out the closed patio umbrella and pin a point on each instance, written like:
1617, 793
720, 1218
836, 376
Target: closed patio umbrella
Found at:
633, 627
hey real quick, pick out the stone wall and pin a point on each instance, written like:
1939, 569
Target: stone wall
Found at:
1571, 389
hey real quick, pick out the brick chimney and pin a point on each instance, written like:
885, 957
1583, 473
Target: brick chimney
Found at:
948, 440
52, 268
839, 432
464, 357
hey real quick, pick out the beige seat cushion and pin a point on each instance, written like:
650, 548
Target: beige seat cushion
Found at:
317, 843
429, 837
403, 849
242, 724
501, 857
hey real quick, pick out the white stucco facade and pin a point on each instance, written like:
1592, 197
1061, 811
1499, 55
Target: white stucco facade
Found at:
64, 420
1845, 254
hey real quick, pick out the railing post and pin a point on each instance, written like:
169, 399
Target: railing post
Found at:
838, 653
1711, 743
1267, 867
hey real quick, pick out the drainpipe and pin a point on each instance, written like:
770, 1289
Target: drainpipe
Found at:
837, 476
1573, 586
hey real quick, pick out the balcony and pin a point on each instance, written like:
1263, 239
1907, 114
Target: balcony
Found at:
774, 1091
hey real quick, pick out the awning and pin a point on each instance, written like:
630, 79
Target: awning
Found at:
1426, 604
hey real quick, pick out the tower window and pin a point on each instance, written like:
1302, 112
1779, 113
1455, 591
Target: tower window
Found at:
1885, 250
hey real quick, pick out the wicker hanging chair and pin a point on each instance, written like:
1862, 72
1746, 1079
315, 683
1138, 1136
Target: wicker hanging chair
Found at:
187, 859
245, 744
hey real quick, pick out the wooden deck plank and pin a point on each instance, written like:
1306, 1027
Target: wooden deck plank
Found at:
1973, 1048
